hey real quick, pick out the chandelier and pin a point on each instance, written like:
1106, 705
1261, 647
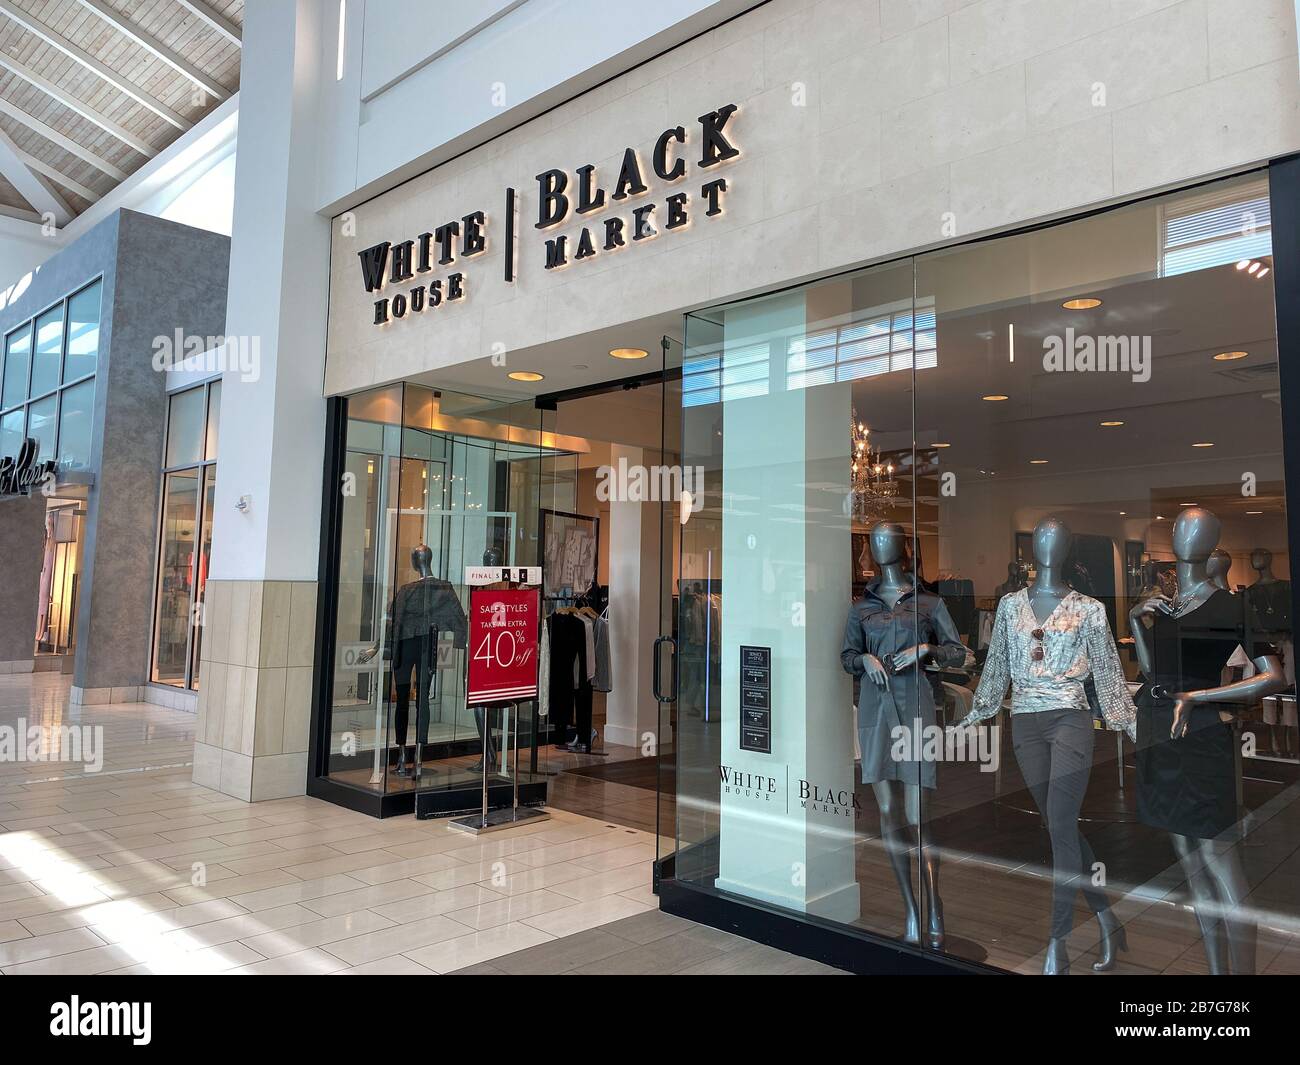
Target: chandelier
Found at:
875, 492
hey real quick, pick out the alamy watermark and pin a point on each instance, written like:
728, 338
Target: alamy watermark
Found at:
84, 744
632, 483
1073, 353
209, 354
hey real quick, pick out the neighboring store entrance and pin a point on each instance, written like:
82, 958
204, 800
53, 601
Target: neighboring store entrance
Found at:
61, 564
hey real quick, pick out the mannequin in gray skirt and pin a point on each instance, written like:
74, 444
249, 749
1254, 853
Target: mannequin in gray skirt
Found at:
892, 632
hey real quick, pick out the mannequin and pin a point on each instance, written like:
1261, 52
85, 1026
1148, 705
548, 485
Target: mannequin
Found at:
1217, 568
419, 611
880, 649
1047, 640
1186, 744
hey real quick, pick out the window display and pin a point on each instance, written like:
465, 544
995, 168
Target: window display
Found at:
1042, 476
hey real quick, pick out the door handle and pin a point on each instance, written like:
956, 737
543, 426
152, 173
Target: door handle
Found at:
658, 670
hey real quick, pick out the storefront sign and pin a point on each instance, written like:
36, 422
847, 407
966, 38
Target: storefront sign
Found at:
756, 699
21, 473
502, 645
561, 196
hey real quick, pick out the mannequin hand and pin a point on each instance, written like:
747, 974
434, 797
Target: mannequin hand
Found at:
368, 654
911, 656
875, 671
1152, 605
1182, 716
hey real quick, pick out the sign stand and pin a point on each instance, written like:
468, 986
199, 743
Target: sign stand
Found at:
507, 817
499, 677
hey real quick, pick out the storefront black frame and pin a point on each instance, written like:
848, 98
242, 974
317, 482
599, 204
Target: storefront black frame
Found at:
864, 953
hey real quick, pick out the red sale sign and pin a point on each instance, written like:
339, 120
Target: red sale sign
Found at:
502, 645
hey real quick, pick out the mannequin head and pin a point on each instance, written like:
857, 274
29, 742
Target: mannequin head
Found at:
1052, 541
1196, 535
888, 543
422, 560
1220, 562
1261, 559
492, 557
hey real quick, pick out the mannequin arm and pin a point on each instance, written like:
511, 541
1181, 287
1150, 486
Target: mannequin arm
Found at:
1270, 680
1137, 624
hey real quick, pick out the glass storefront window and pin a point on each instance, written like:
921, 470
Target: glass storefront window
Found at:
1008, 596
83, 334
185, 538
175, 576
18, 351
61, 420
11, 433
49, 352
42, 425
185, 427
76, 410
442, 481
214, 421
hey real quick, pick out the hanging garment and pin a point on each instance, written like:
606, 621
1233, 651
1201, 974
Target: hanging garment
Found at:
1188, 785
1073, 644
985, 628
568, 667
544, 670
589, 625
1271, 602
603, 678
875, 628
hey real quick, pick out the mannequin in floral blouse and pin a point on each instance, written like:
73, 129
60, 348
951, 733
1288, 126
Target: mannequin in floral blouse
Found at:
1047, 640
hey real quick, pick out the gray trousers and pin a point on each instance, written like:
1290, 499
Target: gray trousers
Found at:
1054, 751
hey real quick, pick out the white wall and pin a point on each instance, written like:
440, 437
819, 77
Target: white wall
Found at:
866, 131
424, 81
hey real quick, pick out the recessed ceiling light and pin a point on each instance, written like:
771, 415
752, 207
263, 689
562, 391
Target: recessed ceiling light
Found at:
1204, 443
1242, 264
1262, 273
1123, 513
1038, 462
526, 375
629, 353
1110, 424
941, 445
1083, 303
1254, 512
1188, 504
1230, 356
1253, 268
1160, 517
993, 398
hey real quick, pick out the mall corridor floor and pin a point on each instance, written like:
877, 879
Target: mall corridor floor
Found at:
134, 869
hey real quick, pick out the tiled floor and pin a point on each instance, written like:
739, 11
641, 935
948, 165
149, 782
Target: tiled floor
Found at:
134, 869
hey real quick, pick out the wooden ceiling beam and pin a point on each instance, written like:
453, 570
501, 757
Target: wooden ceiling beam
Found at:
75, 52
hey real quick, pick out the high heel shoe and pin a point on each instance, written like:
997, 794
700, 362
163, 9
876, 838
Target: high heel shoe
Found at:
936, 932
1057, 960
1114, 938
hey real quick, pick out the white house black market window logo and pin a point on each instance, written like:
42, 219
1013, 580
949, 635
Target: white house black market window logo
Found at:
20, 473
667, 163
466, 237
817, 798
757, 787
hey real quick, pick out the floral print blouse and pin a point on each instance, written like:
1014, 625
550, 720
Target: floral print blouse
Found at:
1045, 664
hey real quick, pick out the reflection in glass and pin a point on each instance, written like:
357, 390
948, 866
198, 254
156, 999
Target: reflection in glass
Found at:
201, 574
76, 411
185, 428
83, 333
18, 350
42, 425
49, 352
